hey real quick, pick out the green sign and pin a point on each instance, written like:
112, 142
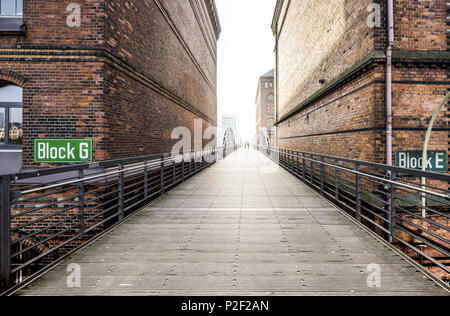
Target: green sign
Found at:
412, 159
62, 151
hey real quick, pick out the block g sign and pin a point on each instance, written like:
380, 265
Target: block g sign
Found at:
62, 151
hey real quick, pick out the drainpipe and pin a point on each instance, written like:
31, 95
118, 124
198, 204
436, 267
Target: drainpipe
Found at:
390, 20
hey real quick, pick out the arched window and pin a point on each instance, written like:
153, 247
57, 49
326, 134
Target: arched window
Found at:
11, 129
271, 98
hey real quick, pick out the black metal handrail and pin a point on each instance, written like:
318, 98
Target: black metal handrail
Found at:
48, 213
386, 199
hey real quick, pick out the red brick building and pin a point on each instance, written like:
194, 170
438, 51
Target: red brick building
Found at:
124, 74
265, 110
331, 76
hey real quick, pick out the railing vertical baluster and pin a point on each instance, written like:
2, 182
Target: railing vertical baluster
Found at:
358, 193
202, 162
393, 213
292, 161
145, 179
182, 169
161, 191
190, 163
336, 183
297, 166
289, 160
304, 167
322, 176
121, 193
81, 202
174, 171
5, 232
312, 169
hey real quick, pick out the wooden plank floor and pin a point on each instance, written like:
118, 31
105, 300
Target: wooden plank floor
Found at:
242, 227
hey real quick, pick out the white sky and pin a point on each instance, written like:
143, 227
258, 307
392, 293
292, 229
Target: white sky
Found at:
246, 51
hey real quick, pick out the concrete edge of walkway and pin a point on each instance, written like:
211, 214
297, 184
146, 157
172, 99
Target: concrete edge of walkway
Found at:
426, 272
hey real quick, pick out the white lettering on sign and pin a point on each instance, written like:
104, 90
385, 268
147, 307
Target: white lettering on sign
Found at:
41, 151
62, 153
414, 160
46, 151
403, 161
53, 152
84, 151
440, 159
70, 151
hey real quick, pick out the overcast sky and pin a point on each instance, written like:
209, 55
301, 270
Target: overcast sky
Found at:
246, 51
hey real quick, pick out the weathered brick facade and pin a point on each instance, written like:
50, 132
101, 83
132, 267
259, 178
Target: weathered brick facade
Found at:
132, 72
330, 76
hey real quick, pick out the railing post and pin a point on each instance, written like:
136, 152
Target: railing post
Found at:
162, 176
304, 167
182, 168
121, 193
174, 171
195, 162
393, 212
358, 193
5, 232
336, 183
292, 162
322, 176
297, 166
145, 179
312, 169
290, 165
190, 163
81, 202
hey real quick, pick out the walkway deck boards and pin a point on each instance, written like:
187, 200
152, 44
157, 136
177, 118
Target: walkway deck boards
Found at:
242, 227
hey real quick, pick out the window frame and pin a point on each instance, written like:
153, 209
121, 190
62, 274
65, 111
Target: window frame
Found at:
15, 10
7, 106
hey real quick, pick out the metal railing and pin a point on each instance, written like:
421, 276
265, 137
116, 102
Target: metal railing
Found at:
386, 199
46, 214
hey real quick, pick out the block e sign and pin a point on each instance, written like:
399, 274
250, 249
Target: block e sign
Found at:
62, 151
412, 159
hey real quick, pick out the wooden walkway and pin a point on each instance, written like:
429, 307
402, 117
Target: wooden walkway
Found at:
242, 227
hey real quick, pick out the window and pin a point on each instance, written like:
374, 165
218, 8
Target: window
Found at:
271, 98
11, 124
11, 8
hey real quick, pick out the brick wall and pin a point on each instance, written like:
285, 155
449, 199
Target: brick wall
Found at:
344, 115
318, 40
169, 48
133, 71
46, 24
61, 100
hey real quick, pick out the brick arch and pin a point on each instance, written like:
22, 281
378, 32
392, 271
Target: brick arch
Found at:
13, 77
